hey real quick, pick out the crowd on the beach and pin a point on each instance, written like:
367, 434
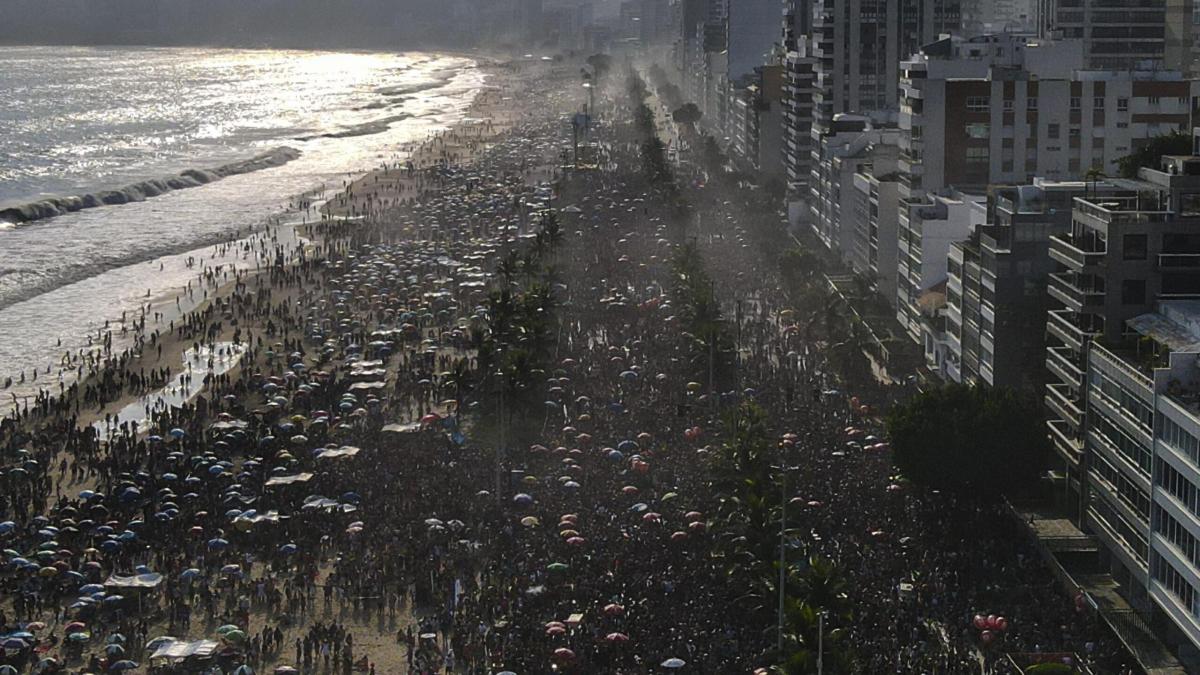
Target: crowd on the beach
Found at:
331, 487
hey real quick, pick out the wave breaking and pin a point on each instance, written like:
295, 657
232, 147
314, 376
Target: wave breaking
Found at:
137, 192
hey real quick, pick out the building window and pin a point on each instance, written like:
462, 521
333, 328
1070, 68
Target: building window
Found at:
1031, 103
1133, 292
1134, 247
979, 130
1098, 102
977, 155
1008, 105
1076, 103
978, 103
1154, 100
1053, 130
1123, 104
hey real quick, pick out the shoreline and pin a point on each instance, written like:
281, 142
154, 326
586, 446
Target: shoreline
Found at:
289, 277
296, 216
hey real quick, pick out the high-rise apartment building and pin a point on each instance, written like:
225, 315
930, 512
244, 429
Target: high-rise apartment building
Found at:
799, 77
1117, 34
857, 46
1002, 109
1126, 250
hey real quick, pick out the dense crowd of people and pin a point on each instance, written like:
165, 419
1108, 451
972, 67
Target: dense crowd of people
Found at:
336, 479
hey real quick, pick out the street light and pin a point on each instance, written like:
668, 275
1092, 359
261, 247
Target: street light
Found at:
783, 472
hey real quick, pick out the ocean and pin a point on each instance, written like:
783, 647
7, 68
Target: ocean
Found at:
118, 164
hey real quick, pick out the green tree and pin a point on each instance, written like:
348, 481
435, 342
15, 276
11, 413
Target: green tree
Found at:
973, 440
600, 64
688, 113
1149, 154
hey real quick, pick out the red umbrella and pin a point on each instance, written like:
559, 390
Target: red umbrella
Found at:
614, 609
678, 536
616, 637
564, 654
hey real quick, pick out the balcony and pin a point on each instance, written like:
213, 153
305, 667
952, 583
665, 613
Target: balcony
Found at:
1062, 366
1065, 445
1179, 261
1062, 406
1075, 258
1062, 288
1059, 323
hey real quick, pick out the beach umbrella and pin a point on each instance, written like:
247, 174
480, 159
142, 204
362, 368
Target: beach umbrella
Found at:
159, 641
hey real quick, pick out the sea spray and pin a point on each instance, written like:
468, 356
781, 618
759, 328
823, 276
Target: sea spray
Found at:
141, 191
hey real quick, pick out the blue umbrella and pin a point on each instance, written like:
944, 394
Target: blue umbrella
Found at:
178, 433
7, 526
217, 543
123, 665
189, 574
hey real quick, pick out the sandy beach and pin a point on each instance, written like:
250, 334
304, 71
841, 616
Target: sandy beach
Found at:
491, 412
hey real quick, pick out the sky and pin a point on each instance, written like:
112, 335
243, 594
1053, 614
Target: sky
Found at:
290, 23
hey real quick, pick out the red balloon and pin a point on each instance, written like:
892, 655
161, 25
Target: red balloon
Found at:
991, 621
979, 621
1002, 624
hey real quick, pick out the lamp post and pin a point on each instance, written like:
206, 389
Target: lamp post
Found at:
782, 590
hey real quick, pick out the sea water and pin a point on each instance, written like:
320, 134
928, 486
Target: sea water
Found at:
160, 129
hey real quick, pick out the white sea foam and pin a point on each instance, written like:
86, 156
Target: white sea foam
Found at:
81, 121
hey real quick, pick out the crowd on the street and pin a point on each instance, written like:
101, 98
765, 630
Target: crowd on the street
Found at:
333, 481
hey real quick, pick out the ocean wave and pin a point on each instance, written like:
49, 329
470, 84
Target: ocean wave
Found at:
57, 206
365, 129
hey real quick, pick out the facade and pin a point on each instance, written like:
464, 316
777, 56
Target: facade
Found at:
1128, 248
993, 16
1121, 35
846, 148
1002, 109
996, 295
875, 212
926, 229
1142, 448
799, 78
